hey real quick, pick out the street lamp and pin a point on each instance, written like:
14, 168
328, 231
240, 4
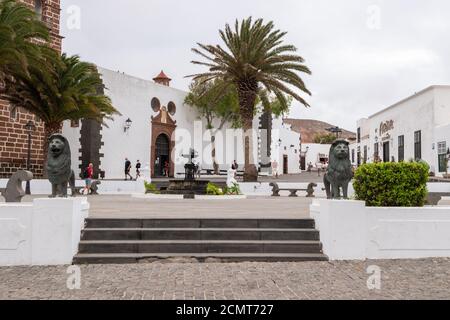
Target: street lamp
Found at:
335, 130
30, 127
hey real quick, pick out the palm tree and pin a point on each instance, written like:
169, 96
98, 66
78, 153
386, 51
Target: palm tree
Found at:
22, 38
257, 63
71, 91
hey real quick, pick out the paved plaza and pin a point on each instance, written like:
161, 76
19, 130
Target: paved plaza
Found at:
186, 279
406, 279
253, 207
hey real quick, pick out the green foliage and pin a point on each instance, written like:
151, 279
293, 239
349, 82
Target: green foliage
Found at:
70, 90
213, 100
254, 58
324, 139
392, 184
151, 188
234, 190
18, 26
214, 190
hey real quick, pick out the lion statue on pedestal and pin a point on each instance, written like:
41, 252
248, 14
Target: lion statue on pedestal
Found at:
59, 166
339, 172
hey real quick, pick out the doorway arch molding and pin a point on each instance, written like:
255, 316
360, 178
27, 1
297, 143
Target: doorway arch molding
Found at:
163, 124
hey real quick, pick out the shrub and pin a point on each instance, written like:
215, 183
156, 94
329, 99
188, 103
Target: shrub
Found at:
234, 190
213, 190
150, 188
392, 184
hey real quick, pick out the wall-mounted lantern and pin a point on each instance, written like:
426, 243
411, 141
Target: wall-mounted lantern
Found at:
127, 125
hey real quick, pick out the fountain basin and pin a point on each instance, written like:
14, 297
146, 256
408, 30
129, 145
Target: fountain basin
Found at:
187, 188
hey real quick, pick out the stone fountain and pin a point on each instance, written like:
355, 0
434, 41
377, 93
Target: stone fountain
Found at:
189, 187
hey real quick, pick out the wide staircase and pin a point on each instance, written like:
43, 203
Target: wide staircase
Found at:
231, 240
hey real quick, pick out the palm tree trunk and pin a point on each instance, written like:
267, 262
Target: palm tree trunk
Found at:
49, 130
213, 152
247, 98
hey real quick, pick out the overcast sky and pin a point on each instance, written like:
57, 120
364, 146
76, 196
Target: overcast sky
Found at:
364, 55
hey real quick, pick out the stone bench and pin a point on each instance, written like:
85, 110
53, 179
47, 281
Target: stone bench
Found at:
309, 190
433, 198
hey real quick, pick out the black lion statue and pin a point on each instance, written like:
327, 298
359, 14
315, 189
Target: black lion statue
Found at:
339, 173
58, 167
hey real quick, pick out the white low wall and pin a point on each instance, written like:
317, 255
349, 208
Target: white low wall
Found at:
107, 187
351, 231
44, 232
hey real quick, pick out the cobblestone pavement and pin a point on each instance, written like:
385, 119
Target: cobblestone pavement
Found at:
406, 279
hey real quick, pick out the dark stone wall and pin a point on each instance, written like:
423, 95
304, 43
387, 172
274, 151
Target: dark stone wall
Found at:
265, 123
91, 143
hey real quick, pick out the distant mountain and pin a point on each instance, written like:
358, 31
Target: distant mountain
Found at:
309, 129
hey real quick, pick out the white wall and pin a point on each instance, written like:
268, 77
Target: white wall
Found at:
351, 231
45, 232
314, 150
428, 112
73, 137
132, 98
290, 146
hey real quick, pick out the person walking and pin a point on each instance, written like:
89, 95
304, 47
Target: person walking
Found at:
127, 169
88, 175
235, 167
138, 169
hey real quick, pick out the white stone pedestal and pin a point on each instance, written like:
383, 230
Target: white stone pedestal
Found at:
44, 232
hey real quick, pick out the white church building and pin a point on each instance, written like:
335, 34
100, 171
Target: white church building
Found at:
157, 128
416, 128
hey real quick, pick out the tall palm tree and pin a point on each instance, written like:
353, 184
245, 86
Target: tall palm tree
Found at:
258, 64
71, 91
22, 38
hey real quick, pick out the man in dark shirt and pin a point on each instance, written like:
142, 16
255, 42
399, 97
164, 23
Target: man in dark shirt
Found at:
128, 169
138, 169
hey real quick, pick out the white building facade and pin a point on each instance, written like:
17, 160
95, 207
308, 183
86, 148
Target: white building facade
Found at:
416, 128
157, 128
316, 154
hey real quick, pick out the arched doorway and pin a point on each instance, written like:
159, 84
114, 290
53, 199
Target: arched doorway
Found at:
163, 142
162, 155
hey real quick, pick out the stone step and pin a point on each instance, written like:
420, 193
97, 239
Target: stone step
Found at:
189, 246
202, 223
196, 257
199, 234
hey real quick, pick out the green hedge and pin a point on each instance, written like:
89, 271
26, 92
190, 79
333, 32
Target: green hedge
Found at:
401, 184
